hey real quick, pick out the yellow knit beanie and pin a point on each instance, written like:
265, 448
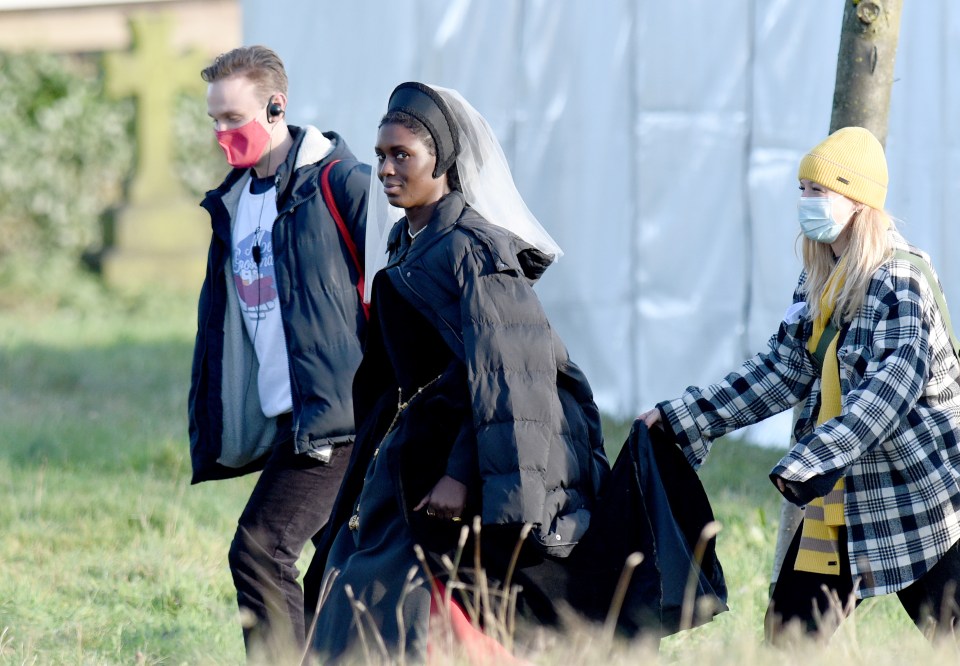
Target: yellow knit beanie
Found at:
849, 161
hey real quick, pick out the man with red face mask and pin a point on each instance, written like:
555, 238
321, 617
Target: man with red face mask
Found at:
280, 332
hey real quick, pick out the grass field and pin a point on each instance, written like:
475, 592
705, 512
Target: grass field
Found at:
109, 556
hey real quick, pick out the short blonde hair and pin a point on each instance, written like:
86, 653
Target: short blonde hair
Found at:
258, 63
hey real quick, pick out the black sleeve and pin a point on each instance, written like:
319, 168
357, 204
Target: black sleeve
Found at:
802, 493
462, 462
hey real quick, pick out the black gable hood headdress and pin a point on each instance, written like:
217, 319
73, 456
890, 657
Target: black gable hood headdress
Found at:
462, 137
424, 104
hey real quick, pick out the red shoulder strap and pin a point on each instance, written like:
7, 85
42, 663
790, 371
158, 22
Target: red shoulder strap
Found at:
344, 233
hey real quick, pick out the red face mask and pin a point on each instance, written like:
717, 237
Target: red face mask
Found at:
244, 145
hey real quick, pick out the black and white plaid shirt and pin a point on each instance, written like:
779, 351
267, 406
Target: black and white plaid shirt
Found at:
895, 442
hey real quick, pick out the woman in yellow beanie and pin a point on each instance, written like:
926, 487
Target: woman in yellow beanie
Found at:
866, 347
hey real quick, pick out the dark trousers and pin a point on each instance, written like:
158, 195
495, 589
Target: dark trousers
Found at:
932, 601
290, 503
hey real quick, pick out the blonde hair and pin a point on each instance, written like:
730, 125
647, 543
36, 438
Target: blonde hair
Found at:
258, 63
869, 246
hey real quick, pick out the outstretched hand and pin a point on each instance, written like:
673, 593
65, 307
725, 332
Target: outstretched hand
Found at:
650, 417
446, 500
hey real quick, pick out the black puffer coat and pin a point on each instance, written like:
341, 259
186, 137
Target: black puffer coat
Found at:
536, 429
323, 321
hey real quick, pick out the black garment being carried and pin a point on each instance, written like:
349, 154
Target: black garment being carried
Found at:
653, 504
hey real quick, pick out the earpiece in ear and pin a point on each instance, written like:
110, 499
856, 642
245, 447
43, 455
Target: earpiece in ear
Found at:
274, 109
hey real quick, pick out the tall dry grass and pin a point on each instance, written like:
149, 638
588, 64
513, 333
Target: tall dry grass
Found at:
109, 556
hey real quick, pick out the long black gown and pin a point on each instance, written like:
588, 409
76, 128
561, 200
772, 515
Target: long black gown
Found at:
374, 552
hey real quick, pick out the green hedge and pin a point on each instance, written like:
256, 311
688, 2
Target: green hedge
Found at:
66, 154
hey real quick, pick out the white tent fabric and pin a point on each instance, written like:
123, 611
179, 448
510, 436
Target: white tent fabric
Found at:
658, 143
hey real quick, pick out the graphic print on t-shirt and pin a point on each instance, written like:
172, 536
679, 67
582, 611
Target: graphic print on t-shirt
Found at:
255, 283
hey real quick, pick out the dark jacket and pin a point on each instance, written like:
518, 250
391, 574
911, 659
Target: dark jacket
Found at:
535, 433
653, 504
323, 321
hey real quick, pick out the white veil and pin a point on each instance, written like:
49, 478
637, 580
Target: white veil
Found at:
487, 183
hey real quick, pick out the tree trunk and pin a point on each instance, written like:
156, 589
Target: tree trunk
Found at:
868, 48
861, 98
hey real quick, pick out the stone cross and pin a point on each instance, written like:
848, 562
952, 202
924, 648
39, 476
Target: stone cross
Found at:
153, 74
160, 235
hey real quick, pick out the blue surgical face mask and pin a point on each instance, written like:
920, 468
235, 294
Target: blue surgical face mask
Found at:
816, 219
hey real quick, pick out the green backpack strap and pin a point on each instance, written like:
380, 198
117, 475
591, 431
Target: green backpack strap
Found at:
937, 293
829, 333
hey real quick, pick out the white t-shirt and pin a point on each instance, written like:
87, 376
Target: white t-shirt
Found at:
256, 287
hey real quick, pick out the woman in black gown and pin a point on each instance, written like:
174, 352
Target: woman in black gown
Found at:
466, 402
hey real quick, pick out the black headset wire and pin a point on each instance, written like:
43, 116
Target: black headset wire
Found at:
273, 109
